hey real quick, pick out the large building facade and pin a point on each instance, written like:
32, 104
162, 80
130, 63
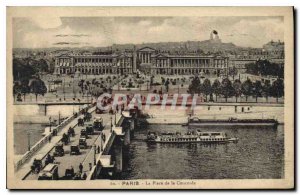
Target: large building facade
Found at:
146, 59
93, 64
152, 62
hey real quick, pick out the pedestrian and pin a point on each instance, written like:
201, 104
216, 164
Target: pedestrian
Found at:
49, 138
80, 168
104, 138
90, 166
98, 149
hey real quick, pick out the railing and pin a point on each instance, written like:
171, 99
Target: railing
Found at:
97, 168
43, 141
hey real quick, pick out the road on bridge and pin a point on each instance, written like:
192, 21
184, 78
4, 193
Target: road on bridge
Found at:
87, 155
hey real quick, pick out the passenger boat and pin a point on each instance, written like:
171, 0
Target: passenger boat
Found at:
196, 137
231, 122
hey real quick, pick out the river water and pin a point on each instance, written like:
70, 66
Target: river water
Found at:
31, 119
258, 154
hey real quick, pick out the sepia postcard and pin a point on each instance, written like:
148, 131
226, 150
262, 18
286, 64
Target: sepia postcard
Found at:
150, 98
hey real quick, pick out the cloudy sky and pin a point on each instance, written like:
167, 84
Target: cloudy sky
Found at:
104, 31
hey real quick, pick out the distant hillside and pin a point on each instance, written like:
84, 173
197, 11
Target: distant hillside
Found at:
205, 46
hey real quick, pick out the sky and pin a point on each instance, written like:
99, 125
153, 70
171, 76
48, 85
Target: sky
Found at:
39, 32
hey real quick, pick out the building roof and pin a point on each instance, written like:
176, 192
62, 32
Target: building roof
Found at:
146, 49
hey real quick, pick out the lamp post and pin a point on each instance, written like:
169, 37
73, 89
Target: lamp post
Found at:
111, 124
73, 105
74, 95
101, 142
59, 118
50, 124
28, 139
64, 90
147, 85
94, 154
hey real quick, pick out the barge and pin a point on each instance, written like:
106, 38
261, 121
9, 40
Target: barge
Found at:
230, 122
198, 137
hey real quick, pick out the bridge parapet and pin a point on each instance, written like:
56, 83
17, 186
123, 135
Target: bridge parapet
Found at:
102, 160
45, 140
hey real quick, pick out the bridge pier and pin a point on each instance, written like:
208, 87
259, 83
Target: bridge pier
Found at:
119, 154
112, 159
42, 109
127, 137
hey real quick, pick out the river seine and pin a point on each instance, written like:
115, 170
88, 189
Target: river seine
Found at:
258, 154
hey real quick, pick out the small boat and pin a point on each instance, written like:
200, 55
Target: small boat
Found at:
191, 137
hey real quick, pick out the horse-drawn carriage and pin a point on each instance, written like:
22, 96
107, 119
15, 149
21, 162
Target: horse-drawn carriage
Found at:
37, 164
49, 159
89, 128
69, 173
80, 122
74, 149
83, 133
71, 132
59, 150
65, 139
82, 143
98, 123
87, 116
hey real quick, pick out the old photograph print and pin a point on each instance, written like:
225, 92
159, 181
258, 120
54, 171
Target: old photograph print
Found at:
127, 99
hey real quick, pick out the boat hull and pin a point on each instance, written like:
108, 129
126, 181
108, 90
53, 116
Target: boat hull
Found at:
231, 140
238, 122
232, 124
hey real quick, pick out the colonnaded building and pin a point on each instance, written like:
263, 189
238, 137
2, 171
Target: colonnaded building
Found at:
146, 59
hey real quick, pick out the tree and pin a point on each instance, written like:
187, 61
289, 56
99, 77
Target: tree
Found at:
267, 89
257, 89
194, 87
232, 72
88, 83
265, 67
94, 81
21, 70
206, 88
16, 89
40, 65
81, 85
226, 88
277, 89
26, 89
237, 86
38, 87
151, 81
247, 88
163, 80
216, 88
167, 84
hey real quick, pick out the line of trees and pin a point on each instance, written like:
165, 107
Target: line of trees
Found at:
26, 79
35, 86
265, 67
228, 89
